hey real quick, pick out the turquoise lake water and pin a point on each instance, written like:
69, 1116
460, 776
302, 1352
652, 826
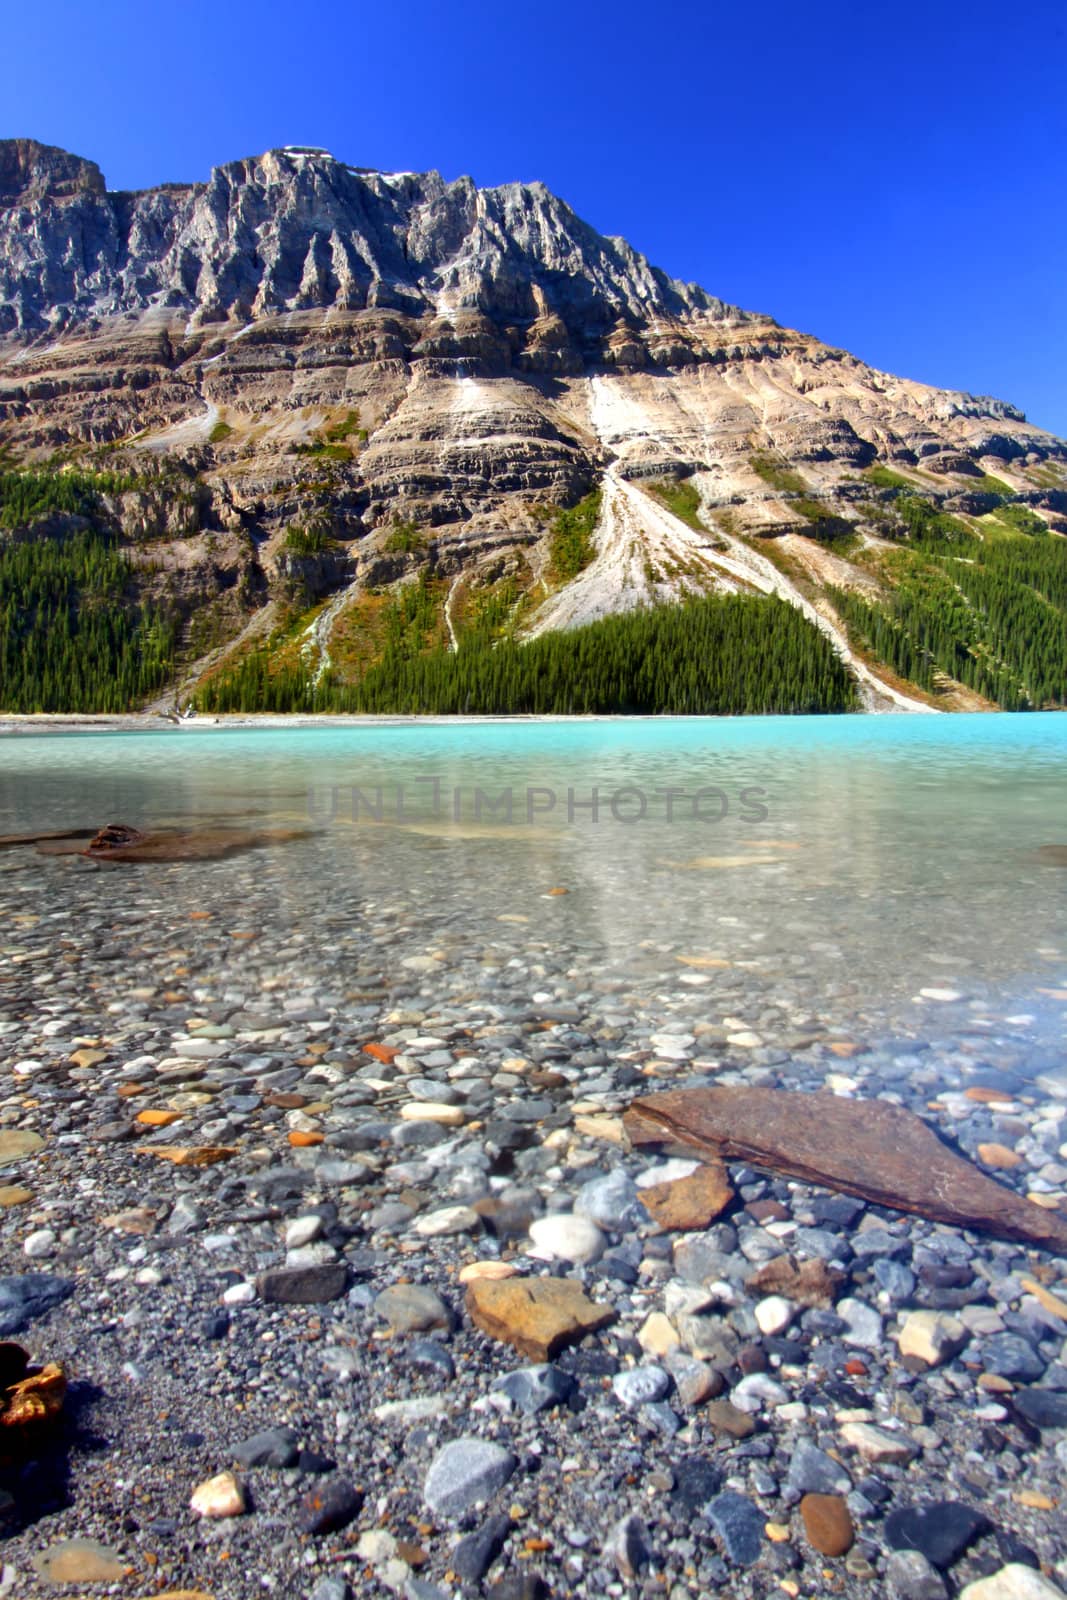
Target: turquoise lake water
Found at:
843, 862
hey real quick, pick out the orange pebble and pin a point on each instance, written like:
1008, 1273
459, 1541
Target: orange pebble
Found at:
302, 1140
158, 1119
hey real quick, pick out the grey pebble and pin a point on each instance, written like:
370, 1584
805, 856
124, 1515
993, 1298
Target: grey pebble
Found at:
464, 1473
739, 1525
640, 1386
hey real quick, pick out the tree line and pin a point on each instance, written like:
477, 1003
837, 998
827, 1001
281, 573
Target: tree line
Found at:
715, 655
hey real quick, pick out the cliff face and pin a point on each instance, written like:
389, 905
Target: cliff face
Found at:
357, 352
295, 230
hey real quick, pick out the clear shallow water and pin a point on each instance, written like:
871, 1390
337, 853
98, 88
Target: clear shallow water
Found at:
832, 865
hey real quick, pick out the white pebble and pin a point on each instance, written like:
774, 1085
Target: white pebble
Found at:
774, 1314
301, 1231
567, 1237
239, 1294
448, 1219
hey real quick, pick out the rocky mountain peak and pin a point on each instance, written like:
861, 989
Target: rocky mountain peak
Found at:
296, 229
31, 172
302, 382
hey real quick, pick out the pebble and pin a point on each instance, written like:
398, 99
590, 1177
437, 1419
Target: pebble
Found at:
302, 1286
876, 1444
487, 1269
448, 1220
774, 1314
28, 1296
1012, 1582
931, 1336
537, 1316
911, 1577
863, 1325
221, 1496
447, 1116
940, 1531
567, 1237
812, 1471
239, 1294
330, 1587
641, 1386
330, 1506
79, 1561
18, 1143
827, 1523
274, 1447
739, 1525
412, 1308
758, 1390
418, 1408
536, 1389
302, 1231
1044, 1408
692, 1202
657, 1335
475, 1553
629, 1547
611, 1202
695, 1381
725, 1417
1009, 1356
465, 1473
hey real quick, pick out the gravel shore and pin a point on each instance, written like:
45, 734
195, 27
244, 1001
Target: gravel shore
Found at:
285, 1203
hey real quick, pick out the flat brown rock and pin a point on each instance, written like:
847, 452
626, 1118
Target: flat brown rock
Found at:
868, 1148
808, 1283
194, 1155
118, 842
692, 1202
725, 1417
537, 1316
8, 841
827, 1523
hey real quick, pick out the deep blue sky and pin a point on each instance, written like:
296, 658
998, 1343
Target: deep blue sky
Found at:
887, 176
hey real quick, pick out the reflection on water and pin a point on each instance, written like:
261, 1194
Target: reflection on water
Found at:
850, 861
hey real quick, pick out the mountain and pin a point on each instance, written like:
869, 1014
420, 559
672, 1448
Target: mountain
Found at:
322, 413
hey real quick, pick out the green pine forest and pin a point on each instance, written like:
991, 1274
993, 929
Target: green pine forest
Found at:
990, 612
70, 639
723, 655
981, 601
73, 634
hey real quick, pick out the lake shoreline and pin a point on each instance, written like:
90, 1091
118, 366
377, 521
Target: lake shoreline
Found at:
13, 722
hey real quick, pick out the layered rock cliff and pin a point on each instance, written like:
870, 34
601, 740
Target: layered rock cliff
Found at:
349, 377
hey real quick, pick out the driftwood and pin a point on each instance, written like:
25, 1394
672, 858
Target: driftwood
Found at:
868, 1148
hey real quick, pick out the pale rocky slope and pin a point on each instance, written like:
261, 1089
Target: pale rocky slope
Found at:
311, 343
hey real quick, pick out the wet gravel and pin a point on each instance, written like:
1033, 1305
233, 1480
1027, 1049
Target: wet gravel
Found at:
393, 1092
